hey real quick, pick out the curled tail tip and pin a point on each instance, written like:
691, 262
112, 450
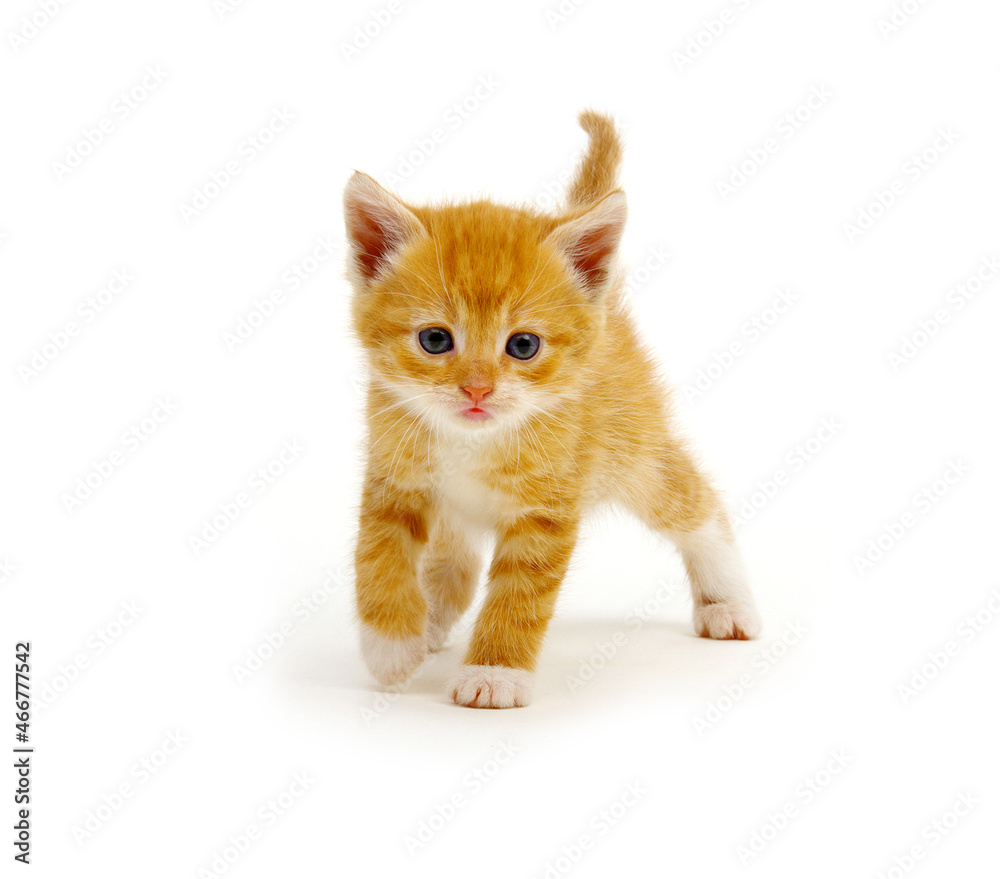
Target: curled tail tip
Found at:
594, 122
597, 174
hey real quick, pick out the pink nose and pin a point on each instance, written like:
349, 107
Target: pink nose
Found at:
477, 395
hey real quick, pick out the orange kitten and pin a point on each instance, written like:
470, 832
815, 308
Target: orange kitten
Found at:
509, 395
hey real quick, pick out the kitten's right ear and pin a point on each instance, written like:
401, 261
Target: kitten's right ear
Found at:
378, 225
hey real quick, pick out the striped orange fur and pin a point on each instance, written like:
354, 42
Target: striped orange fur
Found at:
470, 440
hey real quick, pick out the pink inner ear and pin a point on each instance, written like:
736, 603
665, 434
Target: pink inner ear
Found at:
591, 253
375, 233
373, 237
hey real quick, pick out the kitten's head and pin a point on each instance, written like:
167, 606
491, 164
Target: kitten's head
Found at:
479, 315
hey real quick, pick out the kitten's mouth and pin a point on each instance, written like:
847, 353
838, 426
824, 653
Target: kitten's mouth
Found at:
476, 413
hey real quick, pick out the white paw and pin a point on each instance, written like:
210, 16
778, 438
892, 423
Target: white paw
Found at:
491, 686
727, 621
391, 660
438, 627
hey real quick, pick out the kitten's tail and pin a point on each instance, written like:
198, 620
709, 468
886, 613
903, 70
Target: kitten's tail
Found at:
597, 174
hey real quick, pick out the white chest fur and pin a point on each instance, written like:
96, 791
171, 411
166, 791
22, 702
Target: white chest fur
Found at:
460, 486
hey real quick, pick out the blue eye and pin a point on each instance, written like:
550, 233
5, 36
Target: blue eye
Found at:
435, 340
523, 346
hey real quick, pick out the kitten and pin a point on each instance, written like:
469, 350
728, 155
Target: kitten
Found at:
509, 395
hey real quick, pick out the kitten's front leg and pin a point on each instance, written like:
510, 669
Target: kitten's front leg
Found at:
529, 565
391, 606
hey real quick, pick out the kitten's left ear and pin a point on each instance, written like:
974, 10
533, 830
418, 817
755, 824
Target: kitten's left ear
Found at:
378, 225
591, 240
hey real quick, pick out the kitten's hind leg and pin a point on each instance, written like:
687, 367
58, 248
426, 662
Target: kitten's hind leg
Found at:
449, 573
672, 496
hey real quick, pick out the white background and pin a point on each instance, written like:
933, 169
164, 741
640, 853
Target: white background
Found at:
717, 738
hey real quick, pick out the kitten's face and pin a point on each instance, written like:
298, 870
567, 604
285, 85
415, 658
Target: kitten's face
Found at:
477, 316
